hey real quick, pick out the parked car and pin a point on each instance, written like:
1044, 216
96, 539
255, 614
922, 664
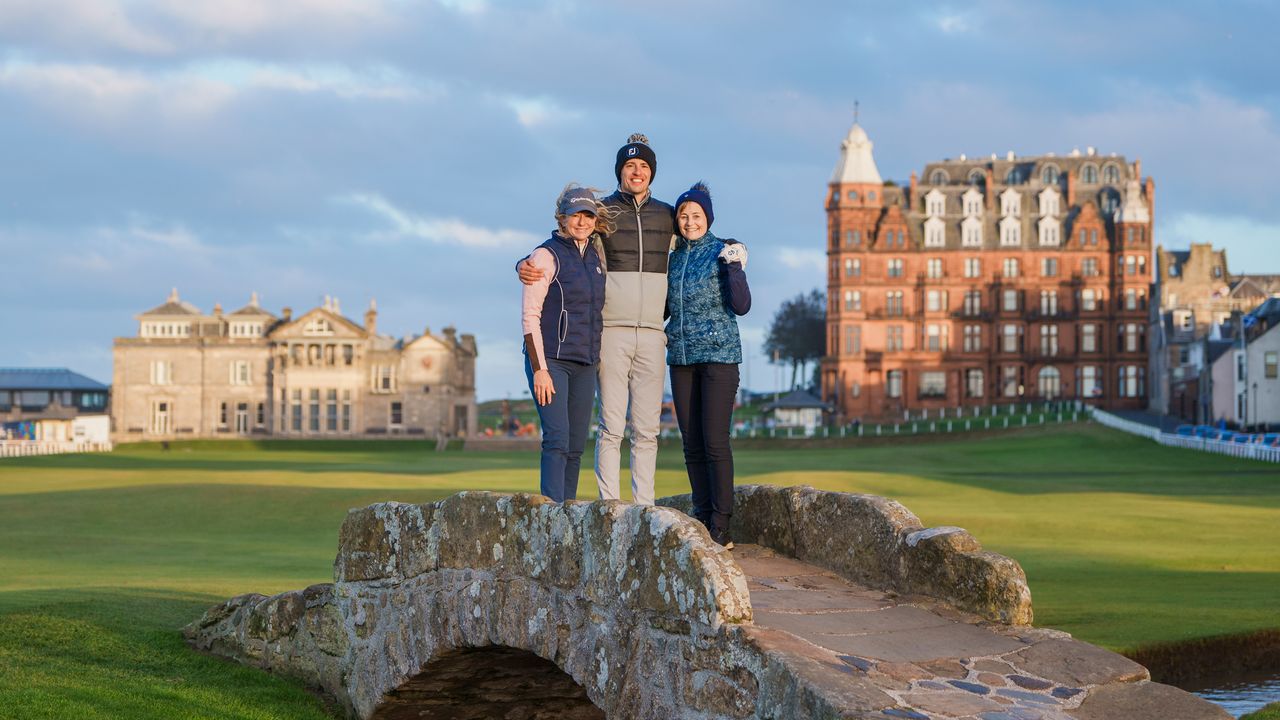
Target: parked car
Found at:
1186, 430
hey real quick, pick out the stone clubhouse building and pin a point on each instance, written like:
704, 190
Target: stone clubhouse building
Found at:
249, 373
985, 281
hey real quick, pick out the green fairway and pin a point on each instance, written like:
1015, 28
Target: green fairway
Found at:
104, 557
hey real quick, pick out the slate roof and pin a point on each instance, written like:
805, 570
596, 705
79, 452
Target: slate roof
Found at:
796, 400
47, 379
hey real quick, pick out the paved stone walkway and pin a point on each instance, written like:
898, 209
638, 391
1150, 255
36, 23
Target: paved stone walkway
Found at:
908, 657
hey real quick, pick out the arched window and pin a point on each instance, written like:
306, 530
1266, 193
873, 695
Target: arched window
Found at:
1049, 383
1111, 174
1089, 173
1049, 174
976, 177
1013, 177
853, 194
939, 177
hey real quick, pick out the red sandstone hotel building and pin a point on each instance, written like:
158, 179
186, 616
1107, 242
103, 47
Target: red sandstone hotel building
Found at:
993, 280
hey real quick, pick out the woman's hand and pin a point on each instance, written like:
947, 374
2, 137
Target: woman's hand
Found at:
543, 388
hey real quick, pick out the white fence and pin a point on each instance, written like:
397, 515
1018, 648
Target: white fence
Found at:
1253, 451
26, 448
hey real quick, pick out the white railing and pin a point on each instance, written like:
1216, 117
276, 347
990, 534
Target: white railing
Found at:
26, 448
1252, 451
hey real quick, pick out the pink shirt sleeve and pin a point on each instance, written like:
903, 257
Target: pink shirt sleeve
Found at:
531, 307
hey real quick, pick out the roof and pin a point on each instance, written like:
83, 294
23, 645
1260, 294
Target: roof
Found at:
856, 165
174, 306
47, 379
252, 309
796, 400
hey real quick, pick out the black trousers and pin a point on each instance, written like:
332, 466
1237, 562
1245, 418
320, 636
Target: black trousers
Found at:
703, 395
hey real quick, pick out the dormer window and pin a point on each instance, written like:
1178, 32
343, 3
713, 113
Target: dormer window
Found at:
1049, 231
972, 200
1013, 177
318, 326
1089, 173
1049, 174
939, 177
934, 232
977, 177
1049, 205
971, 232
1111, 174
1010, 232
1011, 203
935, 203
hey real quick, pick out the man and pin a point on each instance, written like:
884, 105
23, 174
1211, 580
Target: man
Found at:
633, 347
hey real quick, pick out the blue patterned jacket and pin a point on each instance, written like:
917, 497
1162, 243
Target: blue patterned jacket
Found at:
704, 296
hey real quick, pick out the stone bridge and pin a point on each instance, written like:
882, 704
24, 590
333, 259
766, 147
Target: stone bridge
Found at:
834, 605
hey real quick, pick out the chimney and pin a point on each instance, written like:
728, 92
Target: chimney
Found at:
1150, 187
450, 334
1137, 168
990, 194
1071, 189
337, 309
371, 318
911, 197
469, 344
217, 308
287, 314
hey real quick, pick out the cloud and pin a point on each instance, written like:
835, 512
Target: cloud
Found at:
535, 112
798, 259
440, 231
952, 22
1252, 241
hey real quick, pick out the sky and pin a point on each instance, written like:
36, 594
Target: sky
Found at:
410, 151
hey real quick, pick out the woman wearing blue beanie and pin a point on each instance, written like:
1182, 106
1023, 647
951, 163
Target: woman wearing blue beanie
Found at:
706, 291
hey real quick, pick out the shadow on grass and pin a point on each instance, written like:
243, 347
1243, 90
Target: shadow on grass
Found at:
117, 653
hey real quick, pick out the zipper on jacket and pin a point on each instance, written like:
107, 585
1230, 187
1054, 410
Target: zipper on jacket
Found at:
640, 263
684, 337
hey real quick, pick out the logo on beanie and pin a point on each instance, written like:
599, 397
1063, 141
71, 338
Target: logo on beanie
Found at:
632, 151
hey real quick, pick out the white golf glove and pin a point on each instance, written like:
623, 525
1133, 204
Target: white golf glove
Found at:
735, 253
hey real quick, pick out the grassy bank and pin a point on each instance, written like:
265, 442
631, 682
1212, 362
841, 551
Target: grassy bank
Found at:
103, 557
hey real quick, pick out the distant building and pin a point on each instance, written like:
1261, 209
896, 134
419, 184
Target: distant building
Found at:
248, 373
986, 280
1243, 374
51, 404
1194, 293
797, 409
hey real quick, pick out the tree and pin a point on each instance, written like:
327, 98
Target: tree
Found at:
797, 334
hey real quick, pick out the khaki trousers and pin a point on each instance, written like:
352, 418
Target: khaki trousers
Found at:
633, 366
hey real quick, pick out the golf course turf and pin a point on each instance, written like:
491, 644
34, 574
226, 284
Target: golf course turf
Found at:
103, 557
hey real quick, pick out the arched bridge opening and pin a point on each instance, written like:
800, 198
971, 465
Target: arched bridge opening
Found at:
489, 683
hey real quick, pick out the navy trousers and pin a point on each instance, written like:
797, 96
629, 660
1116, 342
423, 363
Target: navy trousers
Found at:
703, 395
564, 425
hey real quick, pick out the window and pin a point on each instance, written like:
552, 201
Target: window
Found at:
1009, 301
1217, 271
331, 410
1089, 338
6, 400
933, 384
1010, 386
1088, 382
934, 267
893, 383
971, 232
1048, 340
1130, 265
852, 339
242, 418
973, 384
1269, 364
894, 268
1089, 267
1240, 367
318, 326
972, 303
1049, 175
1131, 299
853, 195
295, 410
397, 414
1132, 337
1013, 177
314, 407
976, 177
1142, 264
1011, 203
33, 399
1010, 232
934, 233
1049, 232
1089, 173
935, 337
1049, 383
1111, 174
160, 417
893, 303
972, 338
348, 354
855, 389
240, 372
1011, 267
1049, 302
161, 372
260, 418
346, 411
1089, 299
384, 378
939, 177
935, 301
1049, 267
1093, 237
893, 338
972, 267
1010, 337
222, 415
1132, 380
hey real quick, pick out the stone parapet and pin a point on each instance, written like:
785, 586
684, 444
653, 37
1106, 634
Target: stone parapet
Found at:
879, 543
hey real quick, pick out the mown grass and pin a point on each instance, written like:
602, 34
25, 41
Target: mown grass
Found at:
1270, 712
104, 557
